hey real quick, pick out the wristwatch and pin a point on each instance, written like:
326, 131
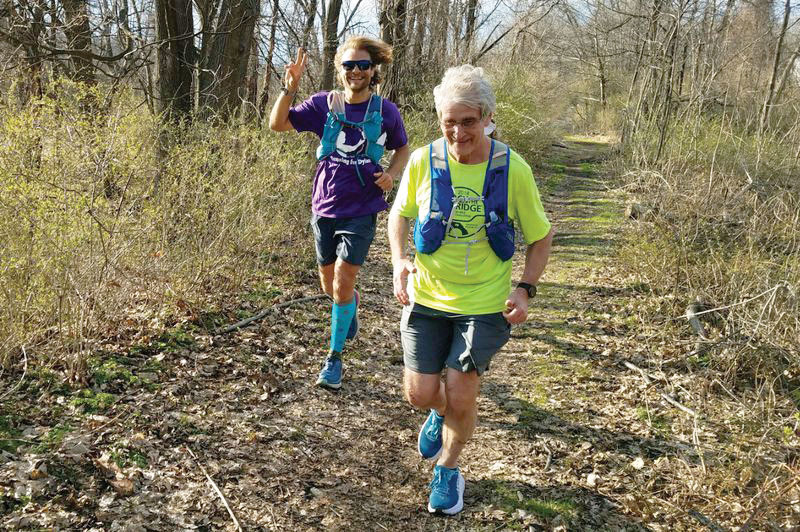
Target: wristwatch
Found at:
287, 91
528, 287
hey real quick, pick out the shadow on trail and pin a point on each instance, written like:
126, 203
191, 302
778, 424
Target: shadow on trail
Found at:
566, 347
588, 203
537, 422
583, 509
580, 240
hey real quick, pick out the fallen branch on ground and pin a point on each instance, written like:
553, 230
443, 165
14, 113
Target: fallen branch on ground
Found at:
24, 372
216, 489
666, 397
634, 367
677, 405
703, 520
261, 314
692, 312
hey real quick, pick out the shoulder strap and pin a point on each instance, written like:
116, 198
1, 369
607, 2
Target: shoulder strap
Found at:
500, 156
439, 154
374, 100
336, 102
441, 187
495, 184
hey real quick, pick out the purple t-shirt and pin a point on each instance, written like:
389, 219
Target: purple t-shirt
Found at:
338, 193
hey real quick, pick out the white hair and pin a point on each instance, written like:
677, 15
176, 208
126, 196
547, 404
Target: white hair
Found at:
468, 86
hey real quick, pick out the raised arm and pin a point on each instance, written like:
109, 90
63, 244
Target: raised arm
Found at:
279, 116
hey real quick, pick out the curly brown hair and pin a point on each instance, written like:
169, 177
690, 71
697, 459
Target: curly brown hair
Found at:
379, 52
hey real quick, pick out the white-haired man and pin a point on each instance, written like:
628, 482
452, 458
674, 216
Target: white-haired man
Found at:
469, 195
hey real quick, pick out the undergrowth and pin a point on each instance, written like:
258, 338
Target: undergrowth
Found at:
114, 221
727, 244
716, 238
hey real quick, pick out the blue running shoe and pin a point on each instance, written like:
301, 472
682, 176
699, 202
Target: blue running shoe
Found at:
331, 374
353, 330
429, 441
447, 491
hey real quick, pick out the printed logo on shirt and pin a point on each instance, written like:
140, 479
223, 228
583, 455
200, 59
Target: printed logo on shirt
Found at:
352, 141
357, 159
468, 215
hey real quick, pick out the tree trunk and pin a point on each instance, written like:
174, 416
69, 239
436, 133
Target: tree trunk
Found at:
668, 82
422, 8
641, 66
469, 33
601, 70
386, 21
311, 15
224, 68
393, 85
331, 36
79, 37
250, 107
776, 61
265, 86
174, 28
439, 29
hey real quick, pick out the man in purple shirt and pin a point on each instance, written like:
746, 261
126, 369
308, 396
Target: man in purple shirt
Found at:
355, 127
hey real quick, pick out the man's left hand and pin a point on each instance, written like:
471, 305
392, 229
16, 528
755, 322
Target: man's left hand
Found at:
384, 180
516, 307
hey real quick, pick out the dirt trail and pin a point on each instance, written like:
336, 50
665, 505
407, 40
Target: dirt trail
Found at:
558, 445
347, 460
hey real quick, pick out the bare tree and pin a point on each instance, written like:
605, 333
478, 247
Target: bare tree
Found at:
469, 32
176, 57
79, 37
331, 41
273, 28
223, 62
773, 79
393, 28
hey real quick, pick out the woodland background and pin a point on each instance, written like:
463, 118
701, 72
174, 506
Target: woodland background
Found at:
142, 198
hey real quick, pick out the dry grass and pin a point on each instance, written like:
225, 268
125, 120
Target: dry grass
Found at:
717, 234
89, 239
729, 240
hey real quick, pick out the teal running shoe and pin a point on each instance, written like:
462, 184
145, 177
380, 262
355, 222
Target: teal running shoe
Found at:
447, 491
331, 374
429, 441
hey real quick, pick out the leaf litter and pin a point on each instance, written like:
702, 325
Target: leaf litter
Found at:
568, 438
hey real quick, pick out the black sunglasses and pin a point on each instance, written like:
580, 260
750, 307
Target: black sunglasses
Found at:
362, 64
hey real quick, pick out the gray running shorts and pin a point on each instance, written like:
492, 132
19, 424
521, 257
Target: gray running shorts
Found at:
346, 238
433, 339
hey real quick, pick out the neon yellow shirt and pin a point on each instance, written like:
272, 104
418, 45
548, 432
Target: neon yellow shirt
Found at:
464, 275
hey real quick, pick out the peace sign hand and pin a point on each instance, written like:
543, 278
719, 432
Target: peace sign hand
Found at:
293, 71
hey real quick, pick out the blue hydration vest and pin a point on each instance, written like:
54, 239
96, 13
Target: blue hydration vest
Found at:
337, 120
429, 233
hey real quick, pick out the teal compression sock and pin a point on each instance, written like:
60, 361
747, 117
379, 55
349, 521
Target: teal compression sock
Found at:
341, 316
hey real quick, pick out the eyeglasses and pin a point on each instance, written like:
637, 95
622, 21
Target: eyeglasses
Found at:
467, 123
362, 64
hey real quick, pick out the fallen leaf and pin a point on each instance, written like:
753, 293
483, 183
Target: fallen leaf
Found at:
38, 471
123, 486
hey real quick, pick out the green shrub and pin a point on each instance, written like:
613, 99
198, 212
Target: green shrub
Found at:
105, 214
110, 216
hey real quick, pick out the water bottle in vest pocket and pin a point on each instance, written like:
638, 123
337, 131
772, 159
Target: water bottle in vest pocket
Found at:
500, 231
429, 233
